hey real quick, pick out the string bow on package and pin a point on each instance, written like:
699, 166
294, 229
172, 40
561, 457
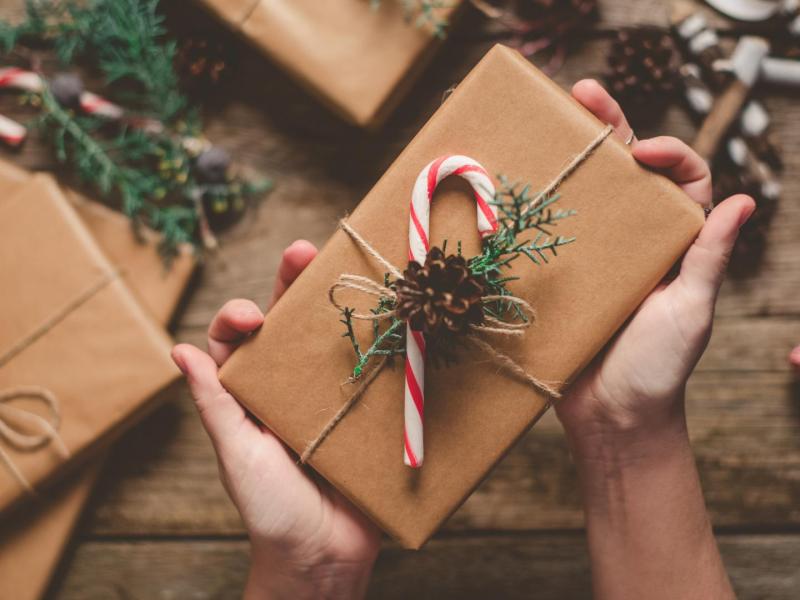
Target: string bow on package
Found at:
18, 427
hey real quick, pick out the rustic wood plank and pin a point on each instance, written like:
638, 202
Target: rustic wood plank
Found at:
745, 429
541, 566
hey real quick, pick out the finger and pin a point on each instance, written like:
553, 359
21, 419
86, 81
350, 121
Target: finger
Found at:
234, 322
704, 265
294, 260
678, 162
794, 359
221, 414
600, 103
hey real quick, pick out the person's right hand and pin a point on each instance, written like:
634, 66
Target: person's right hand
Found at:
638, 382
307, 540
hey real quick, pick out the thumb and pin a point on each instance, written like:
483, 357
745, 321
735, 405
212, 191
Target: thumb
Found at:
221, 414
704, 265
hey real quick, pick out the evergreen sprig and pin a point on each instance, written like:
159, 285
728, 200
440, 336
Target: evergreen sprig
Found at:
387, 341
149, 173
124, 39
519, 212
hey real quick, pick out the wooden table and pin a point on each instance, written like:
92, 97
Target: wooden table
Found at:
161, 526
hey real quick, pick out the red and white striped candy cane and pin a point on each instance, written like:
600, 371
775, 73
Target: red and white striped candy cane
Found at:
92, 104
28, 81
11, 132
20, 79
418, 247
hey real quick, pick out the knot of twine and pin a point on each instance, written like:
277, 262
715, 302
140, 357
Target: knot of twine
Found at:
27, 431
493, 325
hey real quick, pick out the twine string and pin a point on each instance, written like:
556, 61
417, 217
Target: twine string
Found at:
573, 164
342, 412
364, 245
58, 316
19, 436
26, 431
492, 325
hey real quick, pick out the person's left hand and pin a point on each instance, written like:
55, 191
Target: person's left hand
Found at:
307, 540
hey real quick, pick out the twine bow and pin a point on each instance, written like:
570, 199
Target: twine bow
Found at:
368, 286
492, 325
27, 431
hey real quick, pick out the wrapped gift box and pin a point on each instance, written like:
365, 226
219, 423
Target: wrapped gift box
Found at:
631, 227
33, 540
356, 58
69, 325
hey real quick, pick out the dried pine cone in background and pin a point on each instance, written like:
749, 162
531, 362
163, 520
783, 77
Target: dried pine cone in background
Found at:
441, 297
643, 67
201, 63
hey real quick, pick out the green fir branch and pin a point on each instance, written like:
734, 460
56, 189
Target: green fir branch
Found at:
124, 39
149, 175
386, 343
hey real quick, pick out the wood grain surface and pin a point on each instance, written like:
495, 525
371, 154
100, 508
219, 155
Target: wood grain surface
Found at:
160, 525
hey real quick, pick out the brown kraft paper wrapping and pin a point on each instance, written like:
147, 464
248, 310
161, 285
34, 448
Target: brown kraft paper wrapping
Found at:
32, 542
103, 359
631, 226
357, 59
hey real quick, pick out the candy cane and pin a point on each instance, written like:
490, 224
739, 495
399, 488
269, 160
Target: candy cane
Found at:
418, 247
19, 79
92, 104
28, 81
11, 132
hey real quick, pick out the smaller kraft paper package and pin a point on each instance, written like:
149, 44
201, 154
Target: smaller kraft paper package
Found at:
357, 57
80, 359
361, 429
32, 539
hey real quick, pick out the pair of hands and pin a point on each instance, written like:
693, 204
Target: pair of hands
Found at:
307, 540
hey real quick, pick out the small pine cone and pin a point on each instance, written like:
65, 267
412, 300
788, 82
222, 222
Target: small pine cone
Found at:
201, 63
643, 66
440, 297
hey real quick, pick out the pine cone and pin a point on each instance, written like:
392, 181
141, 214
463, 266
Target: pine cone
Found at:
201, 63
643, 65
440, 297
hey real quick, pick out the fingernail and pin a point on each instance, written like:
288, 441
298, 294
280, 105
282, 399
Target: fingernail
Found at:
178, 360
746, 214
250, 312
